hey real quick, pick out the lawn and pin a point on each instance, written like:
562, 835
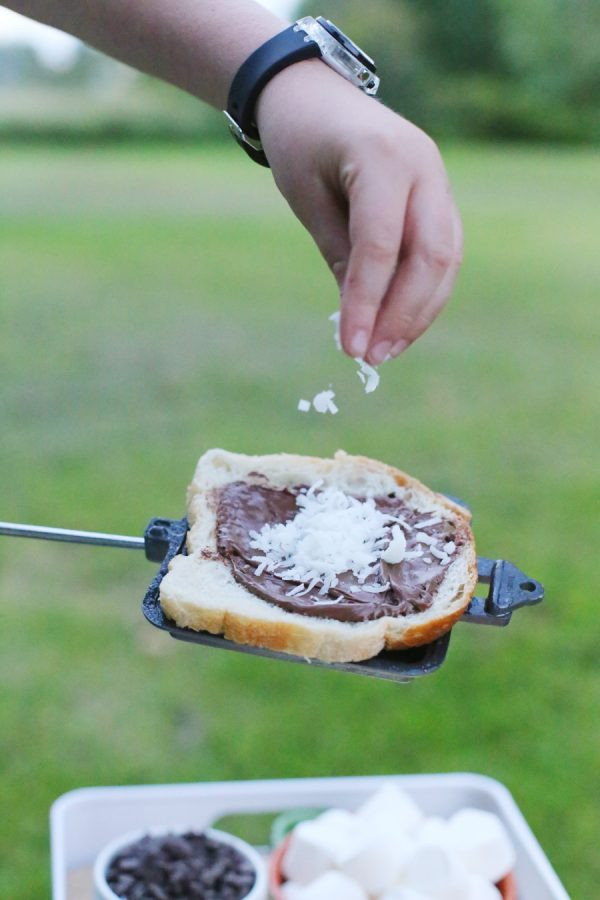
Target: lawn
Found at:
156, 302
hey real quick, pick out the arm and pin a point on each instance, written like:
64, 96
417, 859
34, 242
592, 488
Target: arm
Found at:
370, 187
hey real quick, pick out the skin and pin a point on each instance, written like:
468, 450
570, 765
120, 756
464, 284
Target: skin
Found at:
370, 187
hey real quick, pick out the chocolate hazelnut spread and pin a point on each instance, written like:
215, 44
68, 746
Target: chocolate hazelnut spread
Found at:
243, 507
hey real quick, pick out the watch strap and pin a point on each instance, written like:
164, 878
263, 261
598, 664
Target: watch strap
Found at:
284, 49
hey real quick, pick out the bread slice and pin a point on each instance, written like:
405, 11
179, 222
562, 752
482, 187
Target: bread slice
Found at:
200, 592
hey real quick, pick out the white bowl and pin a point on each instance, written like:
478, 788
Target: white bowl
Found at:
104, 892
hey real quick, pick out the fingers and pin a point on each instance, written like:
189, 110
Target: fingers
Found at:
441, 296
377, 202
326, 220
430, 260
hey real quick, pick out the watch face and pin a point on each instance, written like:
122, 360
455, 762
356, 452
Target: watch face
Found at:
345, 41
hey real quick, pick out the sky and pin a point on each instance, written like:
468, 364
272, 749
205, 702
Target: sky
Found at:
57, 50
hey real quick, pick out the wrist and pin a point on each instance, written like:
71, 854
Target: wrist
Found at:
307, 40
307, 79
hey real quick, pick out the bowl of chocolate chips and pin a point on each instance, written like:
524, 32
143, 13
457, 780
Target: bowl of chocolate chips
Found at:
177, 864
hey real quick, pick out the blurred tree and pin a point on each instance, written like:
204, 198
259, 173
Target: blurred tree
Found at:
391, 33
485, 68
553, 46
461, 35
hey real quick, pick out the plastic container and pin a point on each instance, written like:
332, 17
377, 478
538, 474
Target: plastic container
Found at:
104, 892
507, 886
85, 820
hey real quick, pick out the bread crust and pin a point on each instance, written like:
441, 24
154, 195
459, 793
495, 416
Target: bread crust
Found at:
200, 592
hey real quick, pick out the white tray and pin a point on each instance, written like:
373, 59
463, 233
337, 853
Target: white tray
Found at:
84, 820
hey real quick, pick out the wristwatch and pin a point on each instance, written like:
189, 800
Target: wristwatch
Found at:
307, 38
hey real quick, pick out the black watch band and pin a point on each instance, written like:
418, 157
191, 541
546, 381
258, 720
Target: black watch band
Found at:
288, 47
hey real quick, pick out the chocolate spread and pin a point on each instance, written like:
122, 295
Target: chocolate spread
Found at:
243, 507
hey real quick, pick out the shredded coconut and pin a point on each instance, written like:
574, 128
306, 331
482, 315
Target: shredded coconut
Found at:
427, 523
396, 549
439, 554
323, 402
413, 554
375, 588
368, 375
331, 533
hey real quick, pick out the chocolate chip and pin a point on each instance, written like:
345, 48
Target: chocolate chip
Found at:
190, 866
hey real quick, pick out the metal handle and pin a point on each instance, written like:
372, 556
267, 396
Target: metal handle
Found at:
71, 536
509, 590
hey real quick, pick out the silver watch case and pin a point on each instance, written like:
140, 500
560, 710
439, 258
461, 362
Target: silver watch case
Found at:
338, 57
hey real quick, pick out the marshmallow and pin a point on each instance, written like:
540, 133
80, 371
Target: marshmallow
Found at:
433, 830
434, 872
330, 886
482, 889
482, 843
317, 845
403, 893
391, 810
376, 864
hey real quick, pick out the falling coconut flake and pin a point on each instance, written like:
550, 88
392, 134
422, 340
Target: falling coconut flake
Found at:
368, 375
323, 402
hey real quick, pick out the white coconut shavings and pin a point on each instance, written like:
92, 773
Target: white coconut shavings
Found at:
439, 554
403, 522
323, 402
368, 375
431, 544
427, 523
395, 550
330, 534
375, 588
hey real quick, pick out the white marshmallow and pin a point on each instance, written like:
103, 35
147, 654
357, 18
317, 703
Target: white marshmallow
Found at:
482, 843
433, 830
433, 871
317, 845
482, 889
391, 810
376, 864
403, 893
331, 886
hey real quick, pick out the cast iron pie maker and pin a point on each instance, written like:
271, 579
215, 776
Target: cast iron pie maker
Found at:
508, 589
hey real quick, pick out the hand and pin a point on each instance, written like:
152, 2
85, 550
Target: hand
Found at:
372, 190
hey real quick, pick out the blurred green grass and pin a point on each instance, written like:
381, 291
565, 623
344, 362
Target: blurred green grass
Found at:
159, 301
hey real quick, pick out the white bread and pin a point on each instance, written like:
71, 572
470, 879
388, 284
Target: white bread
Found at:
200, 592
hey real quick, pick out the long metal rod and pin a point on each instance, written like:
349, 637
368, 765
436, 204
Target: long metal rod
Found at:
71, 536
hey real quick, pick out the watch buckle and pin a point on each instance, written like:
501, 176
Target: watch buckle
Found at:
238, 134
